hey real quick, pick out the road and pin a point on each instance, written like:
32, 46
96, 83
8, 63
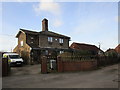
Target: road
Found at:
106, 77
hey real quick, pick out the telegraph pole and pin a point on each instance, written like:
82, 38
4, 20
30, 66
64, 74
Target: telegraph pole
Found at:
99, 44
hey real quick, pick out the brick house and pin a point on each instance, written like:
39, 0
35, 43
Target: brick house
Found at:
32, 45
111, 52
94, 50
117, 49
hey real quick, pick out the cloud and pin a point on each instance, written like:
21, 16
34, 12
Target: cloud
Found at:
20, 0
95, 30
62, 0
109, 42
51, 7
57, 23
7, 43
88, 26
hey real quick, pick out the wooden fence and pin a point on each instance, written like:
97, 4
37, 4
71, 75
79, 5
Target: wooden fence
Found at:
104, 61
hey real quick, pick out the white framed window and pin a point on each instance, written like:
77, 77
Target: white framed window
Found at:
56, 39
32, 37
50, 39
61, 52
46, 52
60, 40
21, 43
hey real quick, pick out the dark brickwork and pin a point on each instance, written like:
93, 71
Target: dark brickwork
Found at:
44, 25
59, 64
44, 65
32, 40
43, 42
34, 43
68, 66
23, 51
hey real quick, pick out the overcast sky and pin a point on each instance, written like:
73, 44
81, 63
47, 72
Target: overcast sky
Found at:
84, 22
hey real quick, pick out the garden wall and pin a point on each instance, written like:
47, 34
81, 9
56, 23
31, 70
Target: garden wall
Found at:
76, 65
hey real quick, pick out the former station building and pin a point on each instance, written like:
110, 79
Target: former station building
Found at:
32, 45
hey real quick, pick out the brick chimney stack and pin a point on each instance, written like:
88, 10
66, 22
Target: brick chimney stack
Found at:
44, 24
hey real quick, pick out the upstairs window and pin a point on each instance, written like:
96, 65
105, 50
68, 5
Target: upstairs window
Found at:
60, 40
21, 43
32, 38
50, 39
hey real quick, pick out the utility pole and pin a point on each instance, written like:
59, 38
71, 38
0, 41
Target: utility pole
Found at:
99, 44
99, 48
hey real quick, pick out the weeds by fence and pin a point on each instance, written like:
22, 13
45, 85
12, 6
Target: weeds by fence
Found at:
103, 61
100, 59
78, 58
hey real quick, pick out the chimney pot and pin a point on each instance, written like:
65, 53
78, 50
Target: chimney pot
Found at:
44, 24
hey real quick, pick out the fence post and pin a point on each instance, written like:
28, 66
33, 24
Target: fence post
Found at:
59, 64
44, 65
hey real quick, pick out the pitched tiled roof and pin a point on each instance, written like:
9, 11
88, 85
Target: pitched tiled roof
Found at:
27, 31
49, 33
53, 34
118, 49
82, 46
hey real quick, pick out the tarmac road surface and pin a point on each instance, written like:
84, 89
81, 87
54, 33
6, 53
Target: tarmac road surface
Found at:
106, 77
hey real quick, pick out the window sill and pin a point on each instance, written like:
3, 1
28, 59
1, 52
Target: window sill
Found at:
61, 44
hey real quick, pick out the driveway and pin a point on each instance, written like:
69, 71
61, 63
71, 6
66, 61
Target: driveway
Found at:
106, 77
26, 70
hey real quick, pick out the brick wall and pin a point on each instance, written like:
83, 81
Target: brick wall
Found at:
76, 65
68, 66
32, 40
79, 65
44, 65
